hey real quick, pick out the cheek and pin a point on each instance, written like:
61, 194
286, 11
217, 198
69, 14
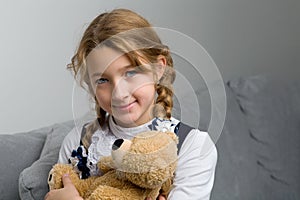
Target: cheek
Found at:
145, 93
104, 99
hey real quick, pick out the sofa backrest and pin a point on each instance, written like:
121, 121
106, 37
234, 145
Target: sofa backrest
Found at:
259, 148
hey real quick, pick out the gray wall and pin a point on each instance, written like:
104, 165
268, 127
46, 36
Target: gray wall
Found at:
38, 38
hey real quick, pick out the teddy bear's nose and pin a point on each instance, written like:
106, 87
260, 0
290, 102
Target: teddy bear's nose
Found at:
117, 144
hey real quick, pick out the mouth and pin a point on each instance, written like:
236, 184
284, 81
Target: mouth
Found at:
124, 107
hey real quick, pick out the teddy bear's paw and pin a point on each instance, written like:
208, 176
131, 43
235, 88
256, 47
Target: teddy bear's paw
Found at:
56, 173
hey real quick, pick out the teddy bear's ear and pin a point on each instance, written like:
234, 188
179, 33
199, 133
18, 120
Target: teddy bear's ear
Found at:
173, 136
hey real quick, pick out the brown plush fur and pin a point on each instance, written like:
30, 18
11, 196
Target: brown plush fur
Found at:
141, 168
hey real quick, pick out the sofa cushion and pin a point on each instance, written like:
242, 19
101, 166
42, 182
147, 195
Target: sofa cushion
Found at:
272, 110
18, 151
33, 180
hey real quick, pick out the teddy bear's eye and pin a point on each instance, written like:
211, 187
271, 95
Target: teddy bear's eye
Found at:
117, 144
50, 177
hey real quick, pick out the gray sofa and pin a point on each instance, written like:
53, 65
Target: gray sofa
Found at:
259, 148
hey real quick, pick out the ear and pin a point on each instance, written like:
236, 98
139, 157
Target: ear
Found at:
161, 66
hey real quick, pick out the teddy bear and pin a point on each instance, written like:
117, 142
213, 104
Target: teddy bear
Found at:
136, 169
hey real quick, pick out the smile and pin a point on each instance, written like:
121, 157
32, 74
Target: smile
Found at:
124, 107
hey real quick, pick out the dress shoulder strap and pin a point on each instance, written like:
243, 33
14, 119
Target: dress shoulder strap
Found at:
182, 130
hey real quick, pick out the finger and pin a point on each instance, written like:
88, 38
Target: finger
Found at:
161, 197
49, 195
46, 196
66, 180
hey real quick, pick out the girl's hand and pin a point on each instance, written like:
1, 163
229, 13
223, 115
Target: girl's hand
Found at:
68, 192
160, 197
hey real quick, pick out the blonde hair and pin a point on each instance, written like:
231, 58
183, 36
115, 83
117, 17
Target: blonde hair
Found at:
128, 32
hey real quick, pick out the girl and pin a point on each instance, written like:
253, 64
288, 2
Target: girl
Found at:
129, 73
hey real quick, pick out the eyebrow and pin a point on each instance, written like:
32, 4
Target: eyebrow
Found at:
97, 74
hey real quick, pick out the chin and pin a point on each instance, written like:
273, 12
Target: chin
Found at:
126, 121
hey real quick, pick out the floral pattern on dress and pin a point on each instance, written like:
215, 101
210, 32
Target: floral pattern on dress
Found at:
163, 125
101, 142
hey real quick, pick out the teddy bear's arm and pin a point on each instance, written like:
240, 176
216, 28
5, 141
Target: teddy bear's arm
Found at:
105, 164
153, 193
104, 192
166, 187
55, 178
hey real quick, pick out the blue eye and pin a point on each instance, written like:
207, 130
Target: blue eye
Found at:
130, 73
101, 81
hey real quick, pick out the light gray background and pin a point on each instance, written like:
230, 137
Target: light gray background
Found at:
38, 38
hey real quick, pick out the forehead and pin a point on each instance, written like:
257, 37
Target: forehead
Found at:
102, 57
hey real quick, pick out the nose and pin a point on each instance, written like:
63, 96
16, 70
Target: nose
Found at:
121, 91
117, 144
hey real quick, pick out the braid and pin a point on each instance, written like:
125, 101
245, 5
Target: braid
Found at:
94, 126
164, 102
101, 114
164, 89
90, 129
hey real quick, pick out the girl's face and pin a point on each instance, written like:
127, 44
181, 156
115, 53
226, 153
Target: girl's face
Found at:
121, 89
